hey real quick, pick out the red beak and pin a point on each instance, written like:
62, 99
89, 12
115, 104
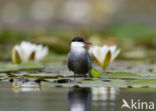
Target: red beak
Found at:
87, 43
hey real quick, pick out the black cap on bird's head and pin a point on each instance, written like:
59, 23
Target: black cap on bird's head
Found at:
80, 39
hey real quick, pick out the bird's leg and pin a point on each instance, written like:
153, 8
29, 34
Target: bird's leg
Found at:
74, 76
85, 76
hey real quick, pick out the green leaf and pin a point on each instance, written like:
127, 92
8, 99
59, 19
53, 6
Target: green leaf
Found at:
142, 82
31, 65
94, 73
120, 75
8, 67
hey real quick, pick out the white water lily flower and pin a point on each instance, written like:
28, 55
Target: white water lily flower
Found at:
104, 55
27, 51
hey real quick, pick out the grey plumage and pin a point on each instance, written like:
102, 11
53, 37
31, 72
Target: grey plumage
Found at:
79, 64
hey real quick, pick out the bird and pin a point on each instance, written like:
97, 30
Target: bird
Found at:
79, 61
79, 99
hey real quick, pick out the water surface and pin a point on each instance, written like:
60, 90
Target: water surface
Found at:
69, 99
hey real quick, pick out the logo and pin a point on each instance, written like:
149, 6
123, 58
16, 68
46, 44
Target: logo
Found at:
137, 104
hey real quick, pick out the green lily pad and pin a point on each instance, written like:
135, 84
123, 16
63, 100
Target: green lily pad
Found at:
142, 89
94, 73
120, 75
14, 67
142, 82
31, 65
8, 67
56, 75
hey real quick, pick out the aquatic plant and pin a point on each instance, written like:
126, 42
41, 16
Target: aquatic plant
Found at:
27, 51
104, 55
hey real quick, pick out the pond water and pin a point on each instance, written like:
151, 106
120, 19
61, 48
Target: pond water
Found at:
70, 99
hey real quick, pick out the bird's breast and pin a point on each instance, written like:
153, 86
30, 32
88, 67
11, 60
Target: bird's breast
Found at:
78, 52
79, 61
78, 49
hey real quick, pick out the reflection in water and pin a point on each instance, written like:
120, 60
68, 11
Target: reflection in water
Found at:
79, 99
25, 86
105, 98
103, 93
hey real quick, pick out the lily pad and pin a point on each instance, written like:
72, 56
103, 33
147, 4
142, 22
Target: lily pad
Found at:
31, 65
6, 67
94, 73
142, 82
119, 75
